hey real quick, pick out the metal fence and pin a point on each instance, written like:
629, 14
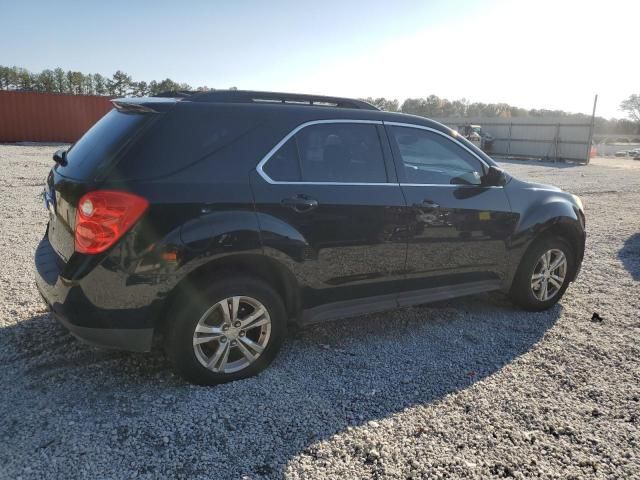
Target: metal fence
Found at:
47, 117
530, 137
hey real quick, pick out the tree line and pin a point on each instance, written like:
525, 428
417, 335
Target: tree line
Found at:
436, 107
77, 83
120, 84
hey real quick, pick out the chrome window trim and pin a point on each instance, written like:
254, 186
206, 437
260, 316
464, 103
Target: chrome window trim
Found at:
267, 157
449, 137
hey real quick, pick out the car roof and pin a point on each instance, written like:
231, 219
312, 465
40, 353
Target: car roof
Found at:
312, 107
281, 98
290, 109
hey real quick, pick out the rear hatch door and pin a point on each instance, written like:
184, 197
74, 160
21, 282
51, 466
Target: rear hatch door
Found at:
85, 165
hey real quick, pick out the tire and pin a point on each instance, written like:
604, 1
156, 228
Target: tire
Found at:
523, 292
202, 308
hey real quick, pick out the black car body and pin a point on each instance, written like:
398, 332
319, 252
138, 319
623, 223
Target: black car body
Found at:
256, 183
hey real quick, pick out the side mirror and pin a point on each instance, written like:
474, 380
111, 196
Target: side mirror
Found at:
60, 157
495, 177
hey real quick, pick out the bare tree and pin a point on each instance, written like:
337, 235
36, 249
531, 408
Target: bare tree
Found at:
632, 106
384, 104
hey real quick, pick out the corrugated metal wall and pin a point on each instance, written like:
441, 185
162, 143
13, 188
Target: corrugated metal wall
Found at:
48, 117
552, 138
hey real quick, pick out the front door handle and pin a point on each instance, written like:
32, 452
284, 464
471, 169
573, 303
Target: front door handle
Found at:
300, 203
427, 204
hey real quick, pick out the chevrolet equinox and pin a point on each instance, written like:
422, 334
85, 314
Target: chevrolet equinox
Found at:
211, 221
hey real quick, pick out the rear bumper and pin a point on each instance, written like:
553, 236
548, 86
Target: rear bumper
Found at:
75, 304
132, 339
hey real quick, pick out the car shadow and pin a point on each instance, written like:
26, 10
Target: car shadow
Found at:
629, 255
327, 378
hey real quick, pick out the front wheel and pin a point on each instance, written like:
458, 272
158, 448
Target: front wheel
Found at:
543, 275
226, 331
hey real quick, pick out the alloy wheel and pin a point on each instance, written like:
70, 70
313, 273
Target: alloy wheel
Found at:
232, 334
549, 274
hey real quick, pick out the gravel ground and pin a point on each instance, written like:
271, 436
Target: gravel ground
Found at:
470, 388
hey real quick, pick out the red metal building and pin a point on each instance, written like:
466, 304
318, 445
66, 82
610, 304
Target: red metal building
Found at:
48, 117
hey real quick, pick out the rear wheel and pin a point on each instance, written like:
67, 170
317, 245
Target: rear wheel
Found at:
543, 275
229, 330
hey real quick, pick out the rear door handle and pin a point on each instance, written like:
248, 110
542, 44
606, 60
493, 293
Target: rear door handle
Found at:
427, 204
300, 203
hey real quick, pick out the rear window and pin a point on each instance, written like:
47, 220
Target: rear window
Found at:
96, 147
333, 152
187, 134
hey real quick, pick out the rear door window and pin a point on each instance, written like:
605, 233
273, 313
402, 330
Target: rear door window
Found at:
99, 145
330, 152
284, 165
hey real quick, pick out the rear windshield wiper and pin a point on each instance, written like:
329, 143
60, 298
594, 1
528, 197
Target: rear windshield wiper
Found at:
60, 157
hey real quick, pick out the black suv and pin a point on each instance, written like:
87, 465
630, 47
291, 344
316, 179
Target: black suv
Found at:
212, 220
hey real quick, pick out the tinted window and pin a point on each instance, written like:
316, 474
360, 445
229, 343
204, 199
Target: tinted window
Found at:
341, 152
98, 145
284, 165
188, 134
333, 152
434, 159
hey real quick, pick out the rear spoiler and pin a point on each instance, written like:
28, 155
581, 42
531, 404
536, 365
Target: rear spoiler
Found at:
140, 105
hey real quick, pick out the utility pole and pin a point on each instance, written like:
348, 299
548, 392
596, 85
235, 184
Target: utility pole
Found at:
593, 122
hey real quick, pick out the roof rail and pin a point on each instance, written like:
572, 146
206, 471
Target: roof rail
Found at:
248, 96
175, 93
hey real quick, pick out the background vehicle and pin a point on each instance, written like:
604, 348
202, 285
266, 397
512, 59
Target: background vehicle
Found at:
477, 136
214, 220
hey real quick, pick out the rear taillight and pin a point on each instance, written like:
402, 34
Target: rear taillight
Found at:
103, 216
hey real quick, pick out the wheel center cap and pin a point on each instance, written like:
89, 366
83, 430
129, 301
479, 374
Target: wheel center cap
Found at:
232, 333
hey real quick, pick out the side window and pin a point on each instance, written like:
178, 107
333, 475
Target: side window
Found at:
341, 152
330, 152
430, 158
284, 165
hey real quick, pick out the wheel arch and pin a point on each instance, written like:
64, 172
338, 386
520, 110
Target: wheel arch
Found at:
259, 266
568, 232
559, 228
555, 219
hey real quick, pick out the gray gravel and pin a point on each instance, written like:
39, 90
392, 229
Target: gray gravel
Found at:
470, 388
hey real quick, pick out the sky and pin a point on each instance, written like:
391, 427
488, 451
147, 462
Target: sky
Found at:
532, 54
